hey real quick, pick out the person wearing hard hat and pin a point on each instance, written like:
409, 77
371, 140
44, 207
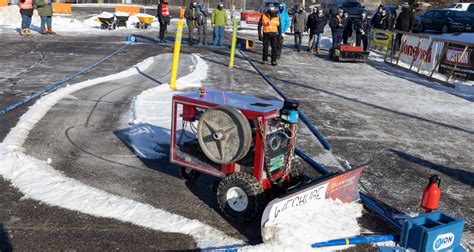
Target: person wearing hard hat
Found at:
404, 23
163, 14
363, 29
219, 22
269, 23
299, 26
285, 24
337, 24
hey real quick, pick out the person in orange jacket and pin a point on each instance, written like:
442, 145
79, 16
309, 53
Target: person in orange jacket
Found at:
270, 24
26, 11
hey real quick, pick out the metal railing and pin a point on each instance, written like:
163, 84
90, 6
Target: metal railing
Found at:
425, 55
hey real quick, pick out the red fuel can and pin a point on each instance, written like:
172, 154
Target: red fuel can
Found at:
431, 195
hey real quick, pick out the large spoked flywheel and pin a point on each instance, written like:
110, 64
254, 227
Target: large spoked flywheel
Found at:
224, 134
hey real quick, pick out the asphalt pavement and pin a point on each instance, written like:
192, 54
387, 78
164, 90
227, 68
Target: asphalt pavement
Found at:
407, 127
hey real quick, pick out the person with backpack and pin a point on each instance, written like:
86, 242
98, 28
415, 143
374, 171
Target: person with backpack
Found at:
163, 14
26, 11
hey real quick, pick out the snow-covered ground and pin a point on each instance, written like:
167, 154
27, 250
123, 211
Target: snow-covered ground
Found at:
36, 179
10, 18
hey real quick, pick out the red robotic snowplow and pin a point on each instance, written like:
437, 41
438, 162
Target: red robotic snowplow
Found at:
347, 53
249, 143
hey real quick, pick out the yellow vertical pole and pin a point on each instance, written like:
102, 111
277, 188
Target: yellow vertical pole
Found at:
234, 42
177, 49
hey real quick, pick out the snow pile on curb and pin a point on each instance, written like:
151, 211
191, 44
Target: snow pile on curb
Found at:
10, 17
159, 98
317, 221
37, 180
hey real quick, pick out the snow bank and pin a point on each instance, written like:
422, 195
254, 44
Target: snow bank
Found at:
10, 17
152, 112
37, 180
317, 221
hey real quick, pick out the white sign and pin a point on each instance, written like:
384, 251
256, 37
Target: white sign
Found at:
443, 241
418, 49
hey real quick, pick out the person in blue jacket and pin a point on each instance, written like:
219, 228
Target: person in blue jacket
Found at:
284, 24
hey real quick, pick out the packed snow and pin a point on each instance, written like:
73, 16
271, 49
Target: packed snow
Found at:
148, 141
297, 229
37, 180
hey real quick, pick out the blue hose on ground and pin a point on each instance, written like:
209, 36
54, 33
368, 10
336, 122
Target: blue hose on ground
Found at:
305, 120
356, 240
60, 83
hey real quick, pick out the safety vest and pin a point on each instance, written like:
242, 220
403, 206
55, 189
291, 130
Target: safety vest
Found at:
270, 25
164, 10
27, 4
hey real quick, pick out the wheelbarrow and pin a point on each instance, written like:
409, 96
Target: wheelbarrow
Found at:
144, 22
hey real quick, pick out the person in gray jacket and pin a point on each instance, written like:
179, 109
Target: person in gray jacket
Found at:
298, 24
192, 15
202, 22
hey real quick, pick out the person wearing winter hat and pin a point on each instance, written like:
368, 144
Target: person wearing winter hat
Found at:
163, 14
45, 11
299, 26
347, 33
316, 23
363, 29
26, 11
404, 23
269, 23
337, 24
202, 22
285, 24
219, 21
191, 14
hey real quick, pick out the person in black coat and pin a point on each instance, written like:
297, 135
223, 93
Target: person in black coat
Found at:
348, 29
404, 23
338, 24
381, 21
363, 29
316, 23
163, 15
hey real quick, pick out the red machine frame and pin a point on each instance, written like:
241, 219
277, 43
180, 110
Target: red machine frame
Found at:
258, 166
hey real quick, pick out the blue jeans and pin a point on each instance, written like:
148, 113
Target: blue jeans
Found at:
25, 21
336, 38
46, 22
316, 40
218, 39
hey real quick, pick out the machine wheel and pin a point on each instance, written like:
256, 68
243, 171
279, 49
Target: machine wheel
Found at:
240, 197
224, 134
189, 174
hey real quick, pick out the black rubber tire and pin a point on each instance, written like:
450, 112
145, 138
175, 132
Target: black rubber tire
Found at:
253, 190
190, 175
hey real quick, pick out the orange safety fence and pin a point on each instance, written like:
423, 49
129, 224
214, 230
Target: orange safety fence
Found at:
62, 8
3, 3
131, 10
